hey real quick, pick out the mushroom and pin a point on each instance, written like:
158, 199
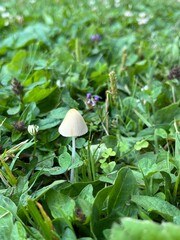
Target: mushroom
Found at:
73, 126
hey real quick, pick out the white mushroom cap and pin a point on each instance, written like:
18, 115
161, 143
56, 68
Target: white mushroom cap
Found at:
73, 124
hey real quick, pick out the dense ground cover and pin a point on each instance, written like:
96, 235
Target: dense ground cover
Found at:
117, 63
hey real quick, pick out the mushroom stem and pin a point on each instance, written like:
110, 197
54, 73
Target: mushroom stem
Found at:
73, 159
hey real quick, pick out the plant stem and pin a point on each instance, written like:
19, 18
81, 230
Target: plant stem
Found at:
173, 94
92, 164
77, 50
35, 144
34, 150
107, 112
73, 159
176, 187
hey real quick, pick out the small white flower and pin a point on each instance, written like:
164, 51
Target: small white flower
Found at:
92, 4
142, 21
117, 3
6, 23
32, 1
59, 83
5, 15
33, 129
142, 15
19, 19
128, 14
143, 18
145, 88
2, 9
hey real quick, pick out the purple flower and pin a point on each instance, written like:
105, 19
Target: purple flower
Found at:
96, 98
93, 38
88, 95
91, 100
96, 38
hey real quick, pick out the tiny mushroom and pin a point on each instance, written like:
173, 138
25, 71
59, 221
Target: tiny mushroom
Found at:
73, 126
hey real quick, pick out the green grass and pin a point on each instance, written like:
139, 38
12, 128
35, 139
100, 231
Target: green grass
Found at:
127, 165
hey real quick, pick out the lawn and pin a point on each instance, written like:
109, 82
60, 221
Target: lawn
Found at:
89, 120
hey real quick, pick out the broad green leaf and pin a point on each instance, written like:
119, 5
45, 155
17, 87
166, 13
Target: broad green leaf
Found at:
52, 171
87, 193
176, 220
45, 161
6, 223
60, 205
35, 79
130, 102
147, 166
8, 204
68, 100
161, 132
39, 193
119, 198
22, 188
42, 81
18, 62
50, 102
73, 190
132, 58
85, 238
65, 160
53, 118
154, 204
49, 135
14, 110
69, 234
37, 31
36, 234
37, 94
8, 42
156, 89
84, 202
48, 123
144, 230
110, 141
143, 118
77, 163
113, 202
167, 114
100, 219
19, 232
58, 113
80, 142
30, 112
15, 135
109, 178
